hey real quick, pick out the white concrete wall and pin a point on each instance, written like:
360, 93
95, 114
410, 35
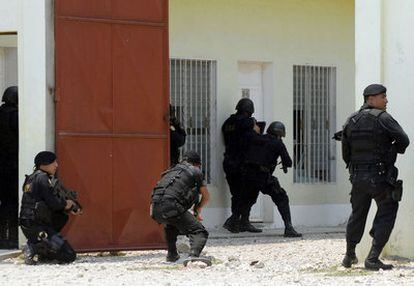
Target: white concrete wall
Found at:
33, 22
384, 53
281, 33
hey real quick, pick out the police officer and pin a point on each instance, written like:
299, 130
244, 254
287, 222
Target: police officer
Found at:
9, 138
236, 131
370, 141
261, 159
43, 214
177, 138
176, 192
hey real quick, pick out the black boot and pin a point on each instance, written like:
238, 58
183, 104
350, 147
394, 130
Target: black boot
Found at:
373, 263
232, 224
350, 256
245, 225
29, 253
290, 231
172, 257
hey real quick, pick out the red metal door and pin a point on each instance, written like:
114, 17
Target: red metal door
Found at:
111, 116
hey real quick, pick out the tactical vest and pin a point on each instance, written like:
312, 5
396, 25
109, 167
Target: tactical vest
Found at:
28, 206
261, 154
368, 140
178, 183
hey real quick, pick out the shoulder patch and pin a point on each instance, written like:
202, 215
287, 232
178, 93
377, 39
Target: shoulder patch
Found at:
27, 188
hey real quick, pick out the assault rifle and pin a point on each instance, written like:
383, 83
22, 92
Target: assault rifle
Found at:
61, 191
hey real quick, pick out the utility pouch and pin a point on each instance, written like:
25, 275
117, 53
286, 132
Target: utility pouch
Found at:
391, 176
397, 192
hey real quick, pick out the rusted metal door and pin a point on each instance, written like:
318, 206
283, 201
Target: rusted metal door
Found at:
111, 117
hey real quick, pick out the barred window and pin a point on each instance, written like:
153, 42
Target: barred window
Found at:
193, 101
314, 120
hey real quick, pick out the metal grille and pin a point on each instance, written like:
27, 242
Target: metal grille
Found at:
314, 119
193, 97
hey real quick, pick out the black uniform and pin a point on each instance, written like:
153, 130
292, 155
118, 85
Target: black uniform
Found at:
42, 217
172, 197
261, 160
371, 139
177, 139
237, 130
9, 138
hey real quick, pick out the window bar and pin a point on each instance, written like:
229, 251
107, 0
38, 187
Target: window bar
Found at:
294, 126
304, 120
328, 113
318, 125
324, 122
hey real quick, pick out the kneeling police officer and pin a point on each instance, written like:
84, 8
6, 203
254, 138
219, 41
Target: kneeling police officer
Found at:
44, 213
261, 161
176, 192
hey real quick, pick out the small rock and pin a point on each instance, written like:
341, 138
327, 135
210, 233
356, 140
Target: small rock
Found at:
196, 264
80, 275
233, 258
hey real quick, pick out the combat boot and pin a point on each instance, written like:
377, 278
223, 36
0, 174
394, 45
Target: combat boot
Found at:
373, 263
350, 256
232, 224
29, 254
245, 225
291, 232
172, 257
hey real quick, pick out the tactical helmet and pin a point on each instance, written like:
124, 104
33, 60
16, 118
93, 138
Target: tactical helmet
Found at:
276, 128
192, 157
10, 95
245, 105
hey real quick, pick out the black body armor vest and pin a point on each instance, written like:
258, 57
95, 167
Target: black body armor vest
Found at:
178, 183
28, 206
369, 142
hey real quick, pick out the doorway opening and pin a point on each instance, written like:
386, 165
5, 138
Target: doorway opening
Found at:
256, 82
9, 138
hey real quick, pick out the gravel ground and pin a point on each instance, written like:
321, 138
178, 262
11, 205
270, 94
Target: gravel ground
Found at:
313, 260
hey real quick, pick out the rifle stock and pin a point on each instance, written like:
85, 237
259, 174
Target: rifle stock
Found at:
67, 194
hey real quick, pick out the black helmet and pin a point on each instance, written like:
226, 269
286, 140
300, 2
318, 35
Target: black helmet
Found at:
192, 157
10, 95
276, 128
245, 105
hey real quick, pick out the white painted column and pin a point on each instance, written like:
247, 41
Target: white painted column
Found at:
368, 45
368, 69
36, 73
398, 59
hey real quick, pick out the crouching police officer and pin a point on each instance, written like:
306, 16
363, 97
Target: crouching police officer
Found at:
43, 214
176, 192
261, 160
371, 140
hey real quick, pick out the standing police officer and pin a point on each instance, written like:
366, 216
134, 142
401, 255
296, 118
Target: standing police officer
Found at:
43, 214
176, 192
236, 131
261, 159
9, 142
370, 141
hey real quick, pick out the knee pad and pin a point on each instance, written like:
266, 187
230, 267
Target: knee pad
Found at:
56, 242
